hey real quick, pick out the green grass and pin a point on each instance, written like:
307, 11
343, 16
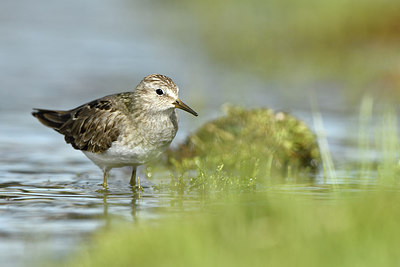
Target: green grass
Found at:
286, 223
259, 230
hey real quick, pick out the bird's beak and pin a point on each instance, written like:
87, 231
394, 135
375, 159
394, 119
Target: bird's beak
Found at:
179, 104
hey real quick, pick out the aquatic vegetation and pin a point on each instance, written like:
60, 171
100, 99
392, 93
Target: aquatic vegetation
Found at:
259, 230
245, 148
277, 225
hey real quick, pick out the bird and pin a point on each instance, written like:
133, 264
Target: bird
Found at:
123, 129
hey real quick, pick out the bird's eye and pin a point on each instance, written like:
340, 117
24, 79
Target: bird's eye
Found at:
159, 92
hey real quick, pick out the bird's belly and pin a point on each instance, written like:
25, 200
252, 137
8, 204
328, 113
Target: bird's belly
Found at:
121, 155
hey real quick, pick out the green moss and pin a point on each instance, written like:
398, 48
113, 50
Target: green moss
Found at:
246, 147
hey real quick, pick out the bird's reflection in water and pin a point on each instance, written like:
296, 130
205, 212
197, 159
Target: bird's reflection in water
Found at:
107, 195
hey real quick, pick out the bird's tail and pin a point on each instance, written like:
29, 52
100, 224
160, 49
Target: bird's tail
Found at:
52, 118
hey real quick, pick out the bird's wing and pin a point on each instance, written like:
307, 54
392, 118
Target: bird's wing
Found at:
91, 127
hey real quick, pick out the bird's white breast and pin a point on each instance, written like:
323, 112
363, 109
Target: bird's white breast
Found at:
119, 155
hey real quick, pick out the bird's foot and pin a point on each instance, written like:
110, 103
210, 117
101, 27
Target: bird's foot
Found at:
136, 186
104, 185
139, 187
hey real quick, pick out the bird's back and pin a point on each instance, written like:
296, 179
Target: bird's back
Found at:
89, 127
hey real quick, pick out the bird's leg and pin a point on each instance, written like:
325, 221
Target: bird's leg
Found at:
133, 177
138, 181
106, 172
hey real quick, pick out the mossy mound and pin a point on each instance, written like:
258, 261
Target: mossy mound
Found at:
254, 143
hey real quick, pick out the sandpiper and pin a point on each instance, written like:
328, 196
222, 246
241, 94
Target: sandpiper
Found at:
125, 129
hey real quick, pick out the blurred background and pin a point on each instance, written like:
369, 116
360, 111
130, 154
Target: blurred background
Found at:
276, 54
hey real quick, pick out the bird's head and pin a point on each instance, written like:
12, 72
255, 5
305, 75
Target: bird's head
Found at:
159, 93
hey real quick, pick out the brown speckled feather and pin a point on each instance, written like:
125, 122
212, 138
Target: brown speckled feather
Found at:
90, 127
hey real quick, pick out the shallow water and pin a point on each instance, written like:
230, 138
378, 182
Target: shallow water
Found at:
58, 55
